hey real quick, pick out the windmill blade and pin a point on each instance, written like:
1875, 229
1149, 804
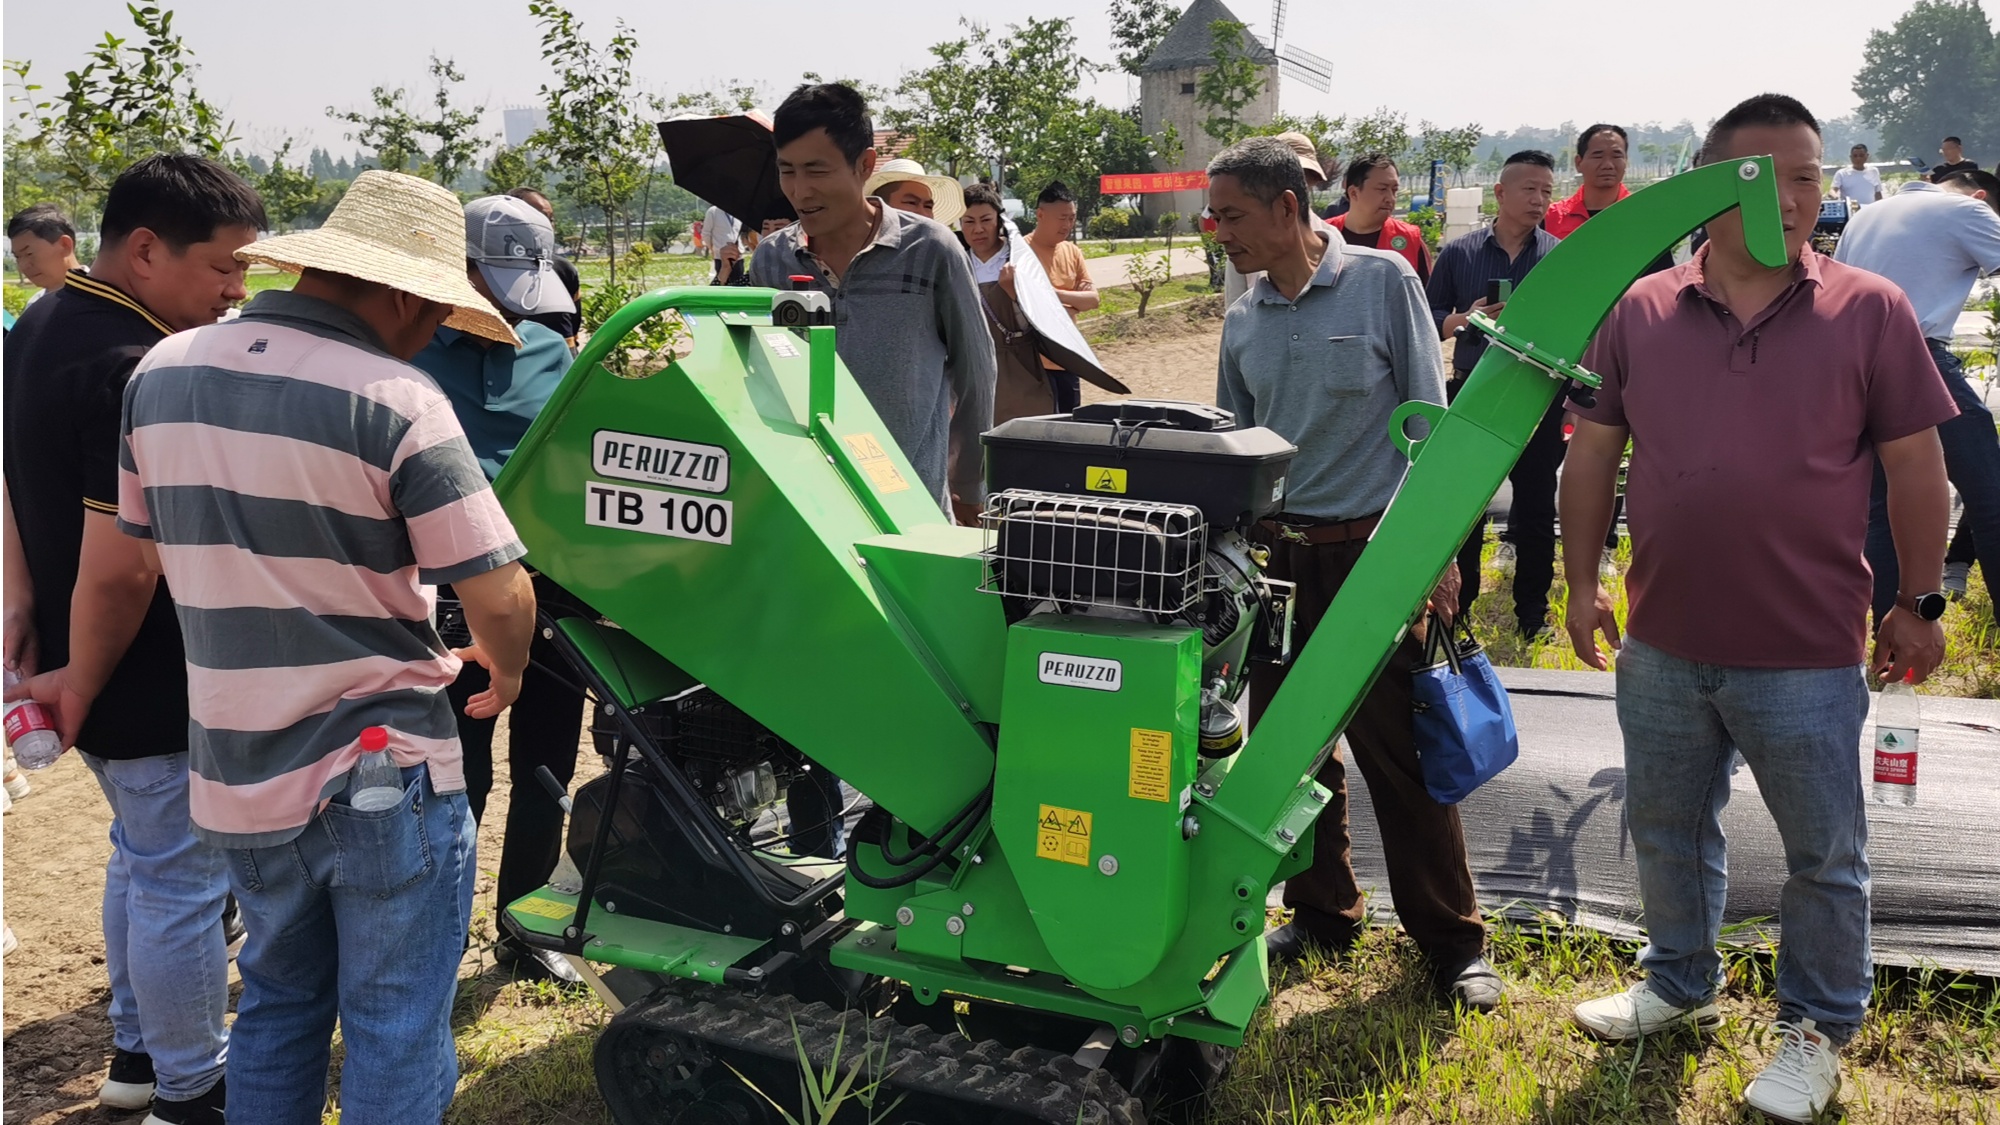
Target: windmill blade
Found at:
1277, 22
1306, 67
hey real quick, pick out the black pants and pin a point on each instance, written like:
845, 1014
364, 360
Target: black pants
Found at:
1068, 389
1962, 549
1423, 842
543, 728
1531, 522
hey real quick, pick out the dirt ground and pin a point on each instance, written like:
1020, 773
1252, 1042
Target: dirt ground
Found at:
53, 987
1170, 354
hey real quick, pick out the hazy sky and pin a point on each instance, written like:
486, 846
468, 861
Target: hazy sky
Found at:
1502, 65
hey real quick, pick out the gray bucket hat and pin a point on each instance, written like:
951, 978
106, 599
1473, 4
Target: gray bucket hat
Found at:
515, 247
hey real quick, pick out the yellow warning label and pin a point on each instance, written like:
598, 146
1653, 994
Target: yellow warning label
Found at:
1104, 480
874, 460
1063, 835
543, 908
1152, 765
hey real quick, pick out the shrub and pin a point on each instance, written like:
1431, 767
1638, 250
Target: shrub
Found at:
1109, 222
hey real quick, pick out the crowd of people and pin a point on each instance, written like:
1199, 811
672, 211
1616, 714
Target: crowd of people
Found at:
227, 529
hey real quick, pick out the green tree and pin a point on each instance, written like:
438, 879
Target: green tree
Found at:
1229, 84
593, 130
134, 96
1456, 147
289, 191
733, 99
943, 110
514, 166
398, 135
1935, 73
1137, 26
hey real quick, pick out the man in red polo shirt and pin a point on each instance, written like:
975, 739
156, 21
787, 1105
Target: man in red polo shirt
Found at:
1601, 157
1758, 402
1370, 219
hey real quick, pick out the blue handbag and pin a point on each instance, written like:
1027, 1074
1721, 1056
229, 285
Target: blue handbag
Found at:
1464, 725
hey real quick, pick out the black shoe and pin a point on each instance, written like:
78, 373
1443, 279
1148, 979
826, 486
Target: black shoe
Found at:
529, 963
1473, 984
130, 1083
233, 931
203, 1109
1292, 941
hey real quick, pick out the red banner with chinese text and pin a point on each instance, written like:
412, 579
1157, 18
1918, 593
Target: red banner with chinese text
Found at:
1144, 183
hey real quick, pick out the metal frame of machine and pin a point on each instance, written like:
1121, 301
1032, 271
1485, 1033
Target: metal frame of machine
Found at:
1064, 856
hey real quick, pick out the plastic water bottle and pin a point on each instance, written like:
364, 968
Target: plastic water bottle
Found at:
30, 731
1896, 721
375, 783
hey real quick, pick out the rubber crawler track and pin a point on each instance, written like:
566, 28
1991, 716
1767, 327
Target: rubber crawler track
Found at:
694, 1030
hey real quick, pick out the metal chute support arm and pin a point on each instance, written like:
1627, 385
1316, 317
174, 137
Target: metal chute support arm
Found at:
1471, 447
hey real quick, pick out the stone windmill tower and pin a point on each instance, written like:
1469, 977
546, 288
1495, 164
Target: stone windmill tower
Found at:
1167, 83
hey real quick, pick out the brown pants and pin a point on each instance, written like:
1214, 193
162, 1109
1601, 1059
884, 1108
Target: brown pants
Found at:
1423, 842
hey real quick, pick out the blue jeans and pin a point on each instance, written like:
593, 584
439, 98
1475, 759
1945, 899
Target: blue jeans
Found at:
163, 896
362, 917
1799, 730
1972, 461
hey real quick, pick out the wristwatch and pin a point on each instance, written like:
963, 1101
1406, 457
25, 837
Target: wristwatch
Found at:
1927, 607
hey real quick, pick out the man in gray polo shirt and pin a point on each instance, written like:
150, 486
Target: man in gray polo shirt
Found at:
910, 328
1323, 349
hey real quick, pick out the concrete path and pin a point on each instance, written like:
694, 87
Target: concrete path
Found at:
1110, 271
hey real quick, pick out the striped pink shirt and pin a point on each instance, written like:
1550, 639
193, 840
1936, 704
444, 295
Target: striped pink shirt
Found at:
307, 492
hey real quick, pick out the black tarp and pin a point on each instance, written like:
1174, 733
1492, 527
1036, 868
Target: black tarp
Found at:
1548, 834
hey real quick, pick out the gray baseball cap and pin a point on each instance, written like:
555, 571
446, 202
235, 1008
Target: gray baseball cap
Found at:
515, 248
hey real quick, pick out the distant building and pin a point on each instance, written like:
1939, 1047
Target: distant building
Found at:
522, 122
1167, 83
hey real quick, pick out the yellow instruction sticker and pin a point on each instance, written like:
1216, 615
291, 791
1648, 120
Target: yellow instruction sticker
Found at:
1063, 835
543, 908
1104, 480
1152, 765
874, 460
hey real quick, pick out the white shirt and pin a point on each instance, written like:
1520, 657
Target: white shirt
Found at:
718, 229
1932, 243
1858, 184
988, 270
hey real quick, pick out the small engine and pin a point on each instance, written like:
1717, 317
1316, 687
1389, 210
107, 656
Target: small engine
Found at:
1141, 509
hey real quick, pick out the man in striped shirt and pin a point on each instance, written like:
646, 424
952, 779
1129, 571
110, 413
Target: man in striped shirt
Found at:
303, 489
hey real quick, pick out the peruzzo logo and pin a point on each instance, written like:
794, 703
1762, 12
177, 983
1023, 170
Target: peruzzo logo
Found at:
1081, 671
658, 460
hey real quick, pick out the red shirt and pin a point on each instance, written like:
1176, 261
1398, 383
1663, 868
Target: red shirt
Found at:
1753, 449
1565, 215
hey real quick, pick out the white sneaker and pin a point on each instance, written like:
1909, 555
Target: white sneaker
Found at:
1503, 557
1801, 1079
1957, 577
1607, 564
1639, 1011
8, 942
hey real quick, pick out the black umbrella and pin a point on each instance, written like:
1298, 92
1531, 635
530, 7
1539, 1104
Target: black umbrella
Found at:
729, 162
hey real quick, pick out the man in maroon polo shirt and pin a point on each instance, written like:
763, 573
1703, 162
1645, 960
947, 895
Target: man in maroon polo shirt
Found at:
1757, 401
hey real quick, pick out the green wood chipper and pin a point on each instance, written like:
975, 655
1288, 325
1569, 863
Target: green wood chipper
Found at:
1052, 908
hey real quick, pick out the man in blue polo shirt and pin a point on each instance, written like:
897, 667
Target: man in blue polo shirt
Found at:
496, 391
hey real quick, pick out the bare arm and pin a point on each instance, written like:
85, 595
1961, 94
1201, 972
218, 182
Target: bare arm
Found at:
23, 647
1589, 492
1082, 300
500, 611
116, 577
1919, 517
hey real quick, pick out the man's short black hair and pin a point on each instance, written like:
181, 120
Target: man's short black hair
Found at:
1953, 141
1764, 109
1857, 145
1056, 192
1359, 168
1583, 138
181, 197
985, 195
840, 110
1533, 157
1266, 168
44, 220
1973, 179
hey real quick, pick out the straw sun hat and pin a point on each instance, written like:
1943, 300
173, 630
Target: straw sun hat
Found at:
945, 192
394, 230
